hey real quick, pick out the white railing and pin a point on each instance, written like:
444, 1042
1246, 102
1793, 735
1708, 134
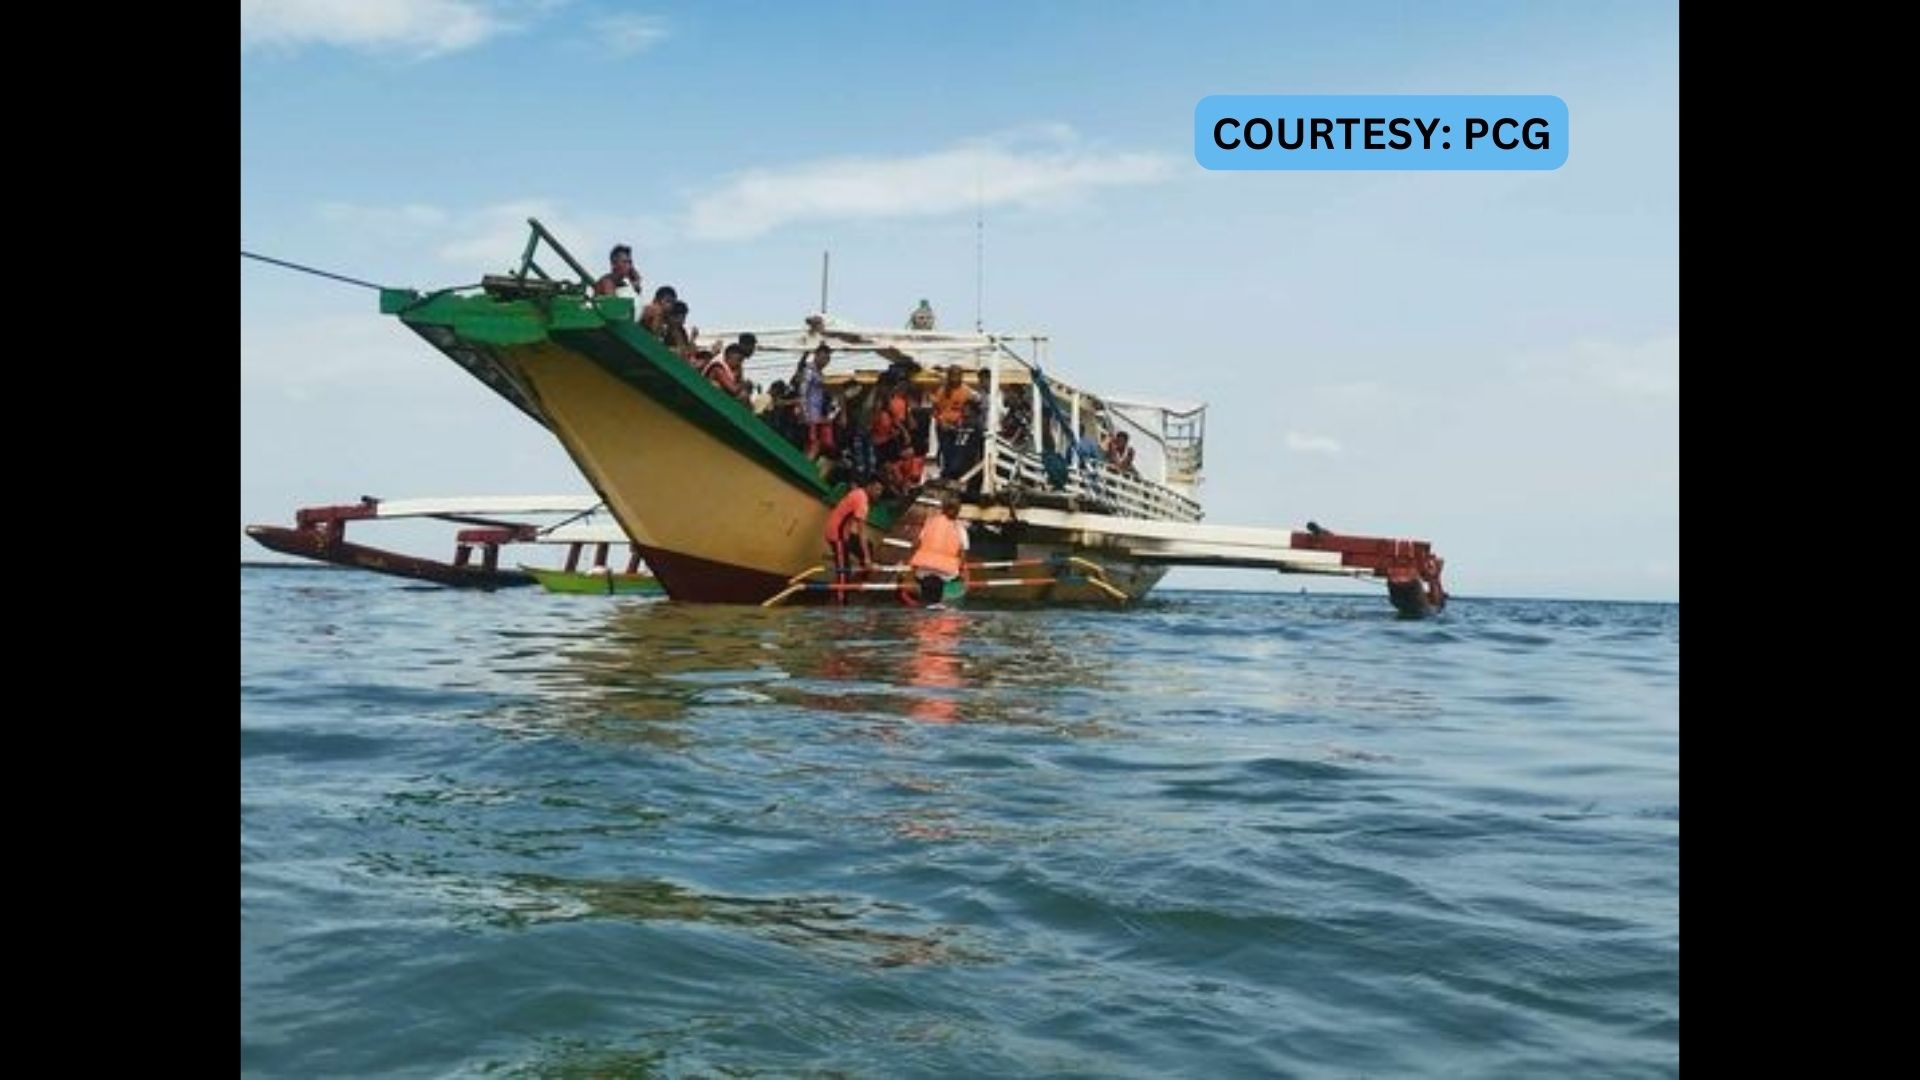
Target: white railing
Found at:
1010, 468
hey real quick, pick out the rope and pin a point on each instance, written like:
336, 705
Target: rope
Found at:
588, 512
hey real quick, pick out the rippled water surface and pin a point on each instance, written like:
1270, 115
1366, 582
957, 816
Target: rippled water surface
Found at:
1222, 834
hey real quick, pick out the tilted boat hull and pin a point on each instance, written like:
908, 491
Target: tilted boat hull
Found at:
722, 509
725, 510
712, 523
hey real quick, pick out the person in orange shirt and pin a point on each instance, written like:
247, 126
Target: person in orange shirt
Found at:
950, 401
846, 530
939, 551
949, 412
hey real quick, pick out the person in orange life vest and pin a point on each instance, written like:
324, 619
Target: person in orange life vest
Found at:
941, 546
906, 412
622, 274
724, 370
950, 401
847, 529
890, 440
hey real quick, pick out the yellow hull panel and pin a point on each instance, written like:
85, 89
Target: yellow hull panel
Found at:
674, 485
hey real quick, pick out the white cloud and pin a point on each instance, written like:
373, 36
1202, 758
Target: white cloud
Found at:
1311, 444
627, 35
1044, 166
497, 234
423, 28
385, 220
491, 238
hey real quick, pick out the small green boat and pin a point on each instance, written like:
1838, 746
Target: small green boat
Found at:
602, 581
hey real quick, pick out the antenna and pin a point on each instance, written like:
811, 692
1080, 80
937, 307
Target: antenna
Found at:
825, 258
979, 248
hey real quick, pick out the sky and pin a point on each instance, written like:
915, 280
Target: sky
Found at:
1486, 360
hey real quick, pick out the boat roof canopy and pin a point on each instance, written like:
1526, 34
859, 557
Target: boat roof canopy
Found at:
930, 349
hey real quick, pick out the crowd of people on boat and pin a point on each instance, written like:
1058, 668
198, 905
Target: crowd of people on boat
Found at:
886, 439
877, 432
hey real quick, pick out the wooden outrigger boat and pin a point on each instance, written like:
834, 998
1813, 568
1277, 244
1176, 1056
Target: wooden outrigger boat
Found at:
724, 509
599, 579
319, 533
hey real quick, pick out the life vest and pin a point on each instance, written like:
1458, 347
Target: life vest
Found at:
950, 406
939, 546
720, 373
847, 515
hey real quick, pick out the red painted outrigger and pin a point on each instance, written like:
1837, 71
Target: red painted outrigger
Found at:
1411, 568
319, 533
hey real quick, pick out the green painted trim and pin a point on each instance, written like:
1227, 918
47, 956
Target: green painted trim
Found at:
615, 309
624, 349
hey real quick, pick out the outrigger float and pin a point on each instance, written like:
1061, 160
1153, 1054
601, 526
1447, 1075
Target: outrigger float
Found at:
723, 509
319, 533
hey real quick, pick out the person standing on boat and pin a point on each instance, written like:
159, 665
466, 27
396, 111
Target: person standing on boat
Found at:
962, 446
892, 443
950, 401
813, 402
623, 279
1016, 417
938, 553
949, 411
922, 317
847, 530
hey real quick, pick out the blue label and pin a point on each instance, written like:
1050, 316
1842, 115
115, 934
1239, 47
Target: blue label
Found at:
1380, 131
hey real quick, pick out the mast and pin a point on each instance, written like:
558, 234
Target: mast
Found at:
979, 249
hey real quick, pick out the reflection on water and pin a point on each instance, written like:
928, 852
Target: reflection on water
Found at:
637, 673
935, 668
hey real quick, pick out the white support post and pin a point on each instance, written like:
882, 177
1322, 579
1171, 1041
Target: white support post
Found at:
992, 434
1036, 416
